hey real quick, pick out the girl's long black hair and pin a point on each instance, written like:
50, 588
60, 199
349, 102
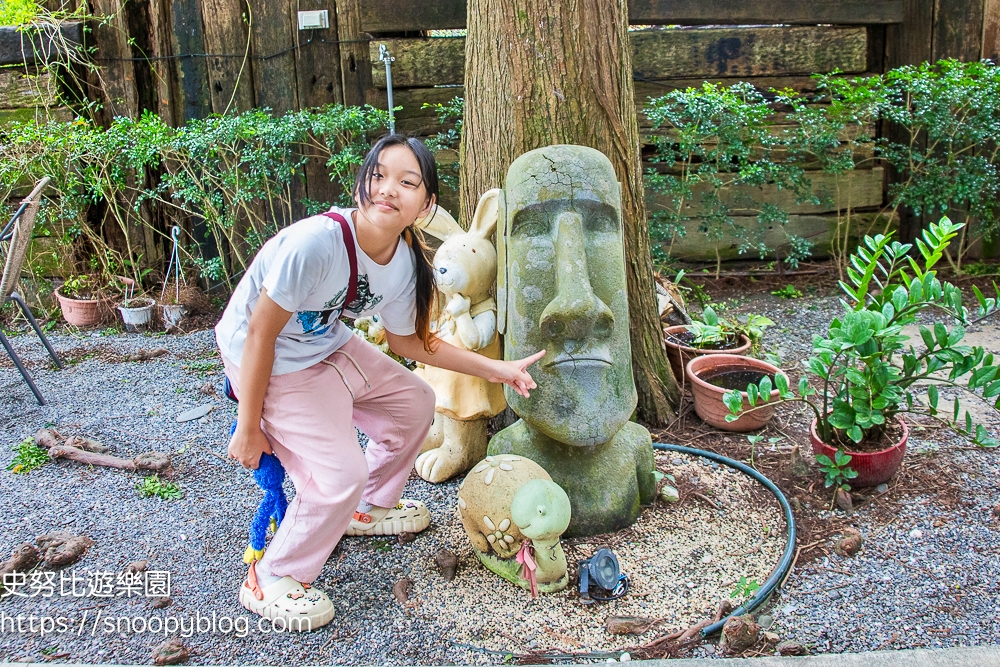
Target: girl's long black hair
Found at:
412, 236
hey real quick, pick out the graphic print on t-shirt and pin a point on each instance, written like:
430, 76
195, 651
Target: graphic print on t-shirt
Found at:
365, 299
318, 322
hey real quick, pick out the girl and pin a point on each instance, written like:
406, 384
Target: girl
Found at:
305, 381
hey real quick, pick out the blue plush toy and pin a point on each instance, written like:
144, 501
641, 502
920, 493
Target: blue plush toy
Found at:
270, 475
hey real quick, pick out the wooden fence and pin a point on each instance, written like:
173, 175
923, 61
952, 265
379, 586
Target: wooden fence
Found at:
184, 59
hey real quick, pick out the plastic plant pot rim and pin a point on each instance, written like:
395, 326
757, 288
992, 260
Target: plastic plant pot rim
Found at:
784, 565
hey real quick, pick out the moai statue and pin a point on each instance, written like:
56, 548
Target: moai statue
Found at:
561, 287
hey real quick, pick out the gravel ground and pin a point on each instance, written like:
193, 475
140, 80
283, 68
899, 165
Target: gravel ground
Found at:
933, 567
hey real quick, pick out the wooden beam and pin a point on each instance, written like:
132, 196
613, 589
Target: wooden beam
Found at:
661, 54
230, 78
402, 15
113, 84
18, 48
188, 36
271, 35
958, 29
319, 83
818, 230
991, 30
19, 90
355, 68
862, 188
164, 69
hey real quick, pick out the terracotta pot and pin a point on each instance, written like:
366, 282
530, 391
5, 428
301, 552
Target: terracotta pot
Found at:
679, 355
81, 312
873, 468
708, 401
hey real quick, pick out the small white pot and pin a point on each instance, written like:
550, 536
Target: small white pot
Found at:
172, 314
138, 314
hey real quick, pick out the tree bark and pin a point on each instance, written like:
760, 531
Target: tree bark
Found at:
542, 72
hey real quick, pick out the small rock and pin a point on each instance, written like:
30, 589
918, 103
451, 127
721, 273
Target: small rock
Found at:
882, 488
669, 494
916, 534
208, 389
843, 500
676, 462
795, 503
627, 625
789, 647
771, 637
706, 559
740, 633
625, 657
834, 595
137, 566
195, 413
405, 537
161, 602
401, 589
939, 522
996, 511
789, 608
849, 544
797, 464
170, 652
203, 420
765, 621
709, 649
447, 563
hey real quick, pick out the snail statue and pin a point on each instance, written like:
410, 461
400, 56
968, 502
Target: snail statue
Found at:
514, 515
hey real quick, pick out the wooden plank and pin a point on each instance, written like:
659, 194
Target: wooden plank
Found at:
193, 99
740, 12
818, 229
861, 188
29, 115
164, 69
18, 48
319, 84
19, 90
355, 68
958, 29
661, 54
402, 15
114, 84
271, 34
230, 79
991, 30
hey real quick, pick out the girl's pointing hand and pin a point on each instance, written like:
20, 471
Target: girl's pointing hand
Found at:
514, 373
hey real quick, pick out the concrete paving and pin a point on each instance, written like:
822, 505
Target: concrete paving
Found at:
979, 656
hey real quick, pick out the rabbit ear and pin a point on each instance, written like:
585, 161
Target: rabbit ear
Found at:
484, 221
439, 224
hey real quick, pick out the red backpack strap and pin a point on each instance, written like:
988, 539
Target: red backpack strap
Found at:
352, 256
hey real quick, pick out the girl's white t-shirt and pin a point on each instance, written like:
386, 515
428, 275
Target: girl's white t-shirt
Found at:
304, 268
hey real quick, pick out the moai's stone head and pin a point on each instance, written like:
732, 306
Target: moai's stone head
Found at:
561, 287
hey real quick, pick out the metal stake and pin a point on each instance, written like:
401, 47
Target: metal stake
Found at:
384, 56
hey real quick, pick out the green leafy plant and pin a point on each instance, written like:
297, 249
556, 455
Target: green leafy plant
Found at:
745, 588
787, 292
712, 331
29, 457
18, 12
154, 486
867, 370
837, 471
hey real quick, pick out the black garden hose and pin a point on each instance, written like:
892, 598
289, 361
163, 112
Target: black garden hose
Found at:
786, 559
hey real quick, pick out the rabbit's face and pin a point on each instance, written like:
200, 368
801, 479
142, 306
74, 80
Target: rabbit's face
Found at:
466, 265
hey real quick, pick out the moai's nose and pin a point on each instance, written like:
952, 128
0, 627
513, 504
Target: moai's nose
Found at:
576, 313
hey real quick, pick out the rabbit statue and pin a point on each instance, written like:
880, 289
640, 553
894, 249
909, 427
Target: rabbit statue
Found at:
465, 271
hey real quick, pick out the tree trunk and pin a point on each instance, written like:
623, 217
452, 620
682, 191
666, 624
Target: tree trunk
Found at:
541, 72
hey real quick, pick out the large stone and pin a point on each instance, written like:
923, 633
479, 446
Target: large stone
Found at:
561, 287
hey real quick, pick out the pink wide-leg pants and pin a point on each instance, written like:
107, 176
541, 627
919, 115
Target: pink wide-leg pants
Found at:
309, 418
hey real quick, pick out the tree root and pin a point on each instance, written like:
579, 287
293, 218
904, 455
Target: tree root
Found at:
90, 452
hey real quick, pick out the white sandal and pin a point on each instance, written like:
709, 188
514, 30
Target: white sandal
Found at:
409, 516
290, 605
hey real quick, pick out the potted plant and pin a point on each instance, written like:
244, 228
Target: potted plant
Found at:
712, 335
136, 312
711, 376
869, 373
81, 300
